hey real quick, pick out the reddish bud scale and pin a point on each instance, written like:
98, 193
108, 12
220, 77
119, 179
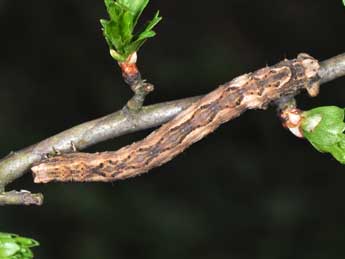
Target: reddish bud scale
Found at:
292, 119
130, 71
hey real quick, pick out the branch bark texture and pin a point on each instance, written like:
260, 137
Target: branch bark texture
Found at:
250, 91
332, 68
20, 198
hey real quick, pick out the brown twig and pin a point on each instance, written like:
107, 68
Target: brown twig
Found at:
250, 91
119, 123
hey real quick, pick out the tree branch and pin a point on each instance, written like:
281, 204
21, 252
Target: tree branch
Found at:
119, 123
20, 198
332, 68
250, 91
89, 133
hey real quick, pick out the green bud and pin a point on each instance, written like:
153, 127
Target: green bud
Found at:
119, 30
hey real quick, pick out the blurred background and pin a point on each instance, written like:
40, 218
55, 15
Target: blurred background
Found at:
250, 190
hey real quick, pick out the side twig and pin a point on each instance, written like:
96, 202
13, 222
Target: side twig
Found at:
132, 77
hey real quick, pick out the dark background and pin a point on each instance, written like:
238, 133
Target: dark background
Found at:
250, 190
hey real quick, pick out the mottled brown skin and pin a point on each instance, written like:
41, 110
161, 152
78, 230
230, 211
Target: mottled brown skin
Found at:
250, 91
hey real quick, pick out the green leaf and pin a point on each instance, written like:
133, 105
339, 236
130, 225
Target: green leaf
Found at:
15, 247
8, 248
156, 19
118, 31
136, 7
127, 27
324, 128
144, 35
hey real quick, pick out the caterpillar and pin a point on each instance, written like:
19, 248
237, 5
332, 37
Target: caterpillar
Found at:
249, 91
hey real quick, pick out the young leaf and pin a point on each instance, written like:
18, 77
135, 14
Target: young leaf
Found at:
118, 31
136, 7
144, 35
324, 128
15, 247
